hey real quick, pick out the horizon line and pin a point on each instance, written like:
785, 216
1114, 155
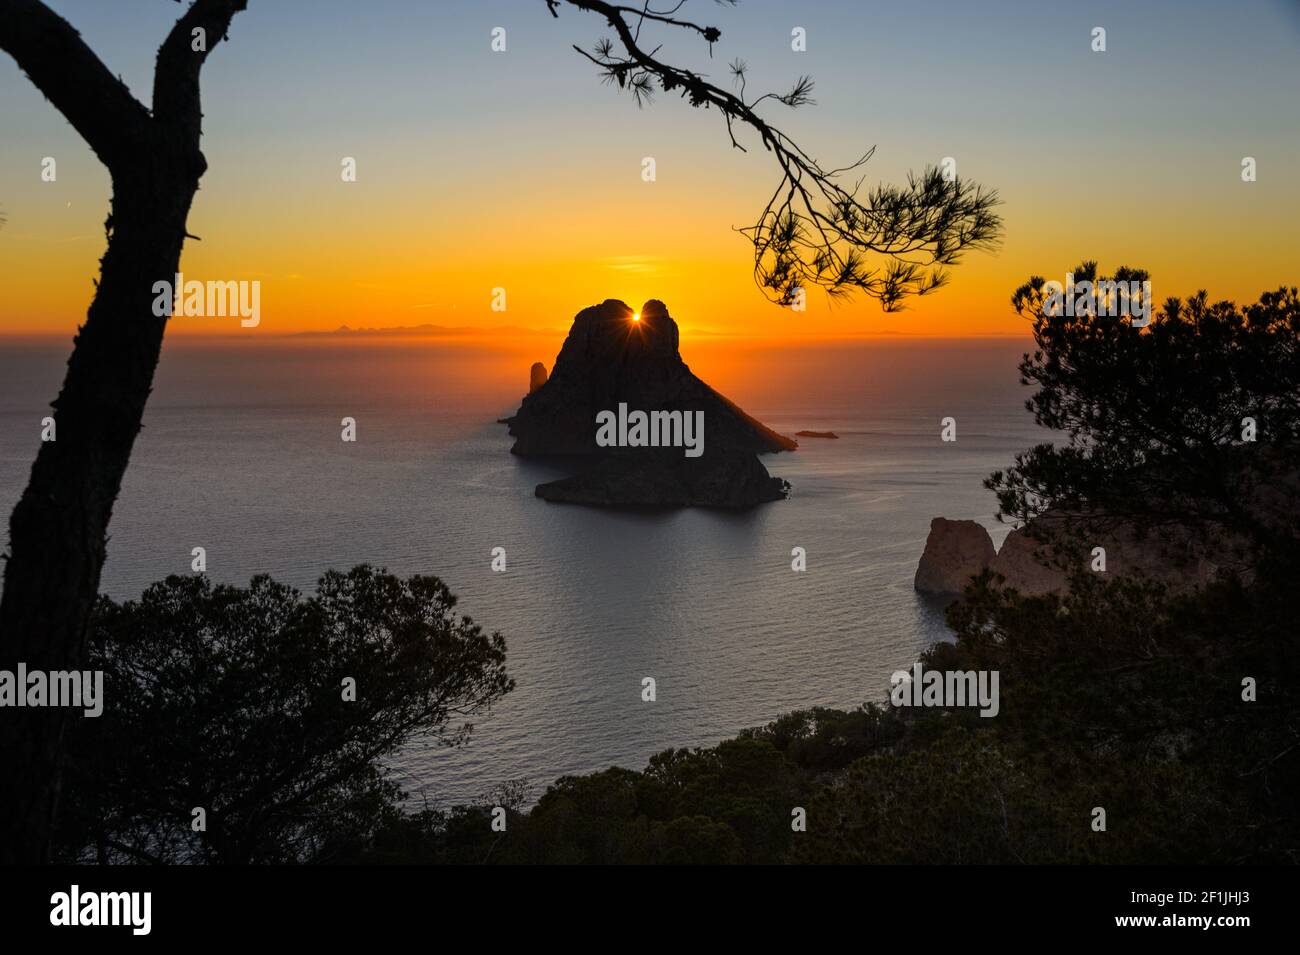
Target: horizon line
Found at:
496, 335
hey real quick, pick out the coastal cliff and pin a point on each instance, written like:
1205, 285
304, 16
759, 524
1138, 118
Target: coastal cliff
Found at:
955, 551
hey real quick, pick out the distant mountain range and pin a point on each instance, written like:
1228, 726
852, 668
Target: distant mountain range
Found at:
425, 331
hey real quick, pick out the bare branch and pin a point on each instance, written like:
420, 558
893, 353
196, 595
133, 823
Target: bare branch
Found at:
889, 243
176, 74
55, 58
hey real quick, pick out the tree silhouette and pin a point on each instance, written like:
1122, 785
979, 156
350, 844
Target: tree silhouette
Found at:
1153, 419
232, 699
814, 231
58, 529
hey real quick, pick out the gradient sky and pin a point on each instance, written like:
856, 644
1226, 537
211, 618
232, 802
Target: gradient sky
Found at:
521, 170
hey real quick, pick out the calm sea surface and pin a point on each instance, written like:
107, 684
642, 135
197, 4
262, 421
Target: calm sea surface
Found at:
241, 454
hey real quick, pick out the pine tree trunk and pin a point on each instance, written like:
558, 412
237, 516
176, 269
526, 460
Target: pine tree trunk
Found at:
58, 531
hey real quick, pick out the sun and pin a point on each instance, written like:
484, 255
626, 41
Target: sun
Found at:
636, 316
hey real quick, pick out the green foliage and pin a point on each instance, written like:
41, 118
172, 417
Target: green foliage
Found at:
1153, 418
231, 699
1115, 695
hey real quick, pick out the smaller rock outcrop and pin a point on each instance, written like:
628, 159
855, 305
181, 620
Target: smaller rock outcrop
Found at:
954, 552
536, 376
815, 434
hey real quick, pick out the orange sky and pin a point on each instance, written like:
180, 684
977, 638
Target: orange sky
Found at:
462, 192
371, 254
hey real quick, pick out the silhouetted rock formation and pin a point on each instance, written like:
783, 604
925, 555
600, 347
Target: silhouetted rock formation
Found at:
816, 434
955, 551
536, 376
610, 358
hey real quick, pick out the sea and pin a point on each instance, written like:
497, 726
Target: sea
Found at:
241, 454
